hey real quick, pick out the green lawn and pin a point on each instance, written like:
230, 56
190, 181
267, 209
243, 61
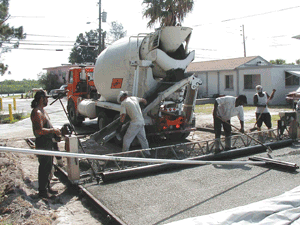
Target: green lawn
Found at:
208, 108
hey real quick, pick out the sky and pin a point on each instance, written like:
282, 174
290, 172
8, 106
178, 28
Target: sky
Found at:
217, 30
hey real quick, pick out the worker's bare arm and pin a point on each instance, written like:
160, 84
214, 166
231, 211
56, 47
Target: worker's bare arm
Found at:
242, 126
272, 94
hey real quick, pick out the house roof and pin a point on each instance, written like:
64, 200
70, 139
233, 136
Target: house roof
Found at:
216, 65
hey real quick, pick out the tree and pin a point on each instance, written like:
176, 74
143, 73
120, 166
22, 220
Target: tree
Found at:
298, 61
9, 36
85, 48
278, 62
167, 12
48, 81
117, 31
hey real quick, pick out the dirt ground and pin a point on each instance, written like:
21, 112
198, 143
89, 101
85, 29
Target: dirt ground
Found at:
20, 204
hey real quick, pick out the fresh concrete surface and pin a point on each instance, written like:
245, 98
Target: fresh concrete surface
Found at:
172, 196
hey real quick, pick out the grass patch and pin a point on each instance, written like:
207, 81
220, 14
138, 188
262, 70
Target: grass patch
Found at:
205, 109
208, 108
274, 119
17, 117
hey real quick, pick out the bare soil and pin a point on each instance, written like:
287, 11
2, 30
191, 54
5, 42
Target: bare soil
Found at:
20, 204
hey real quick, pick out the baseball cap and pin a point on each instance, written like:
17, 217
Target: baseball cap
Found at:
41, 93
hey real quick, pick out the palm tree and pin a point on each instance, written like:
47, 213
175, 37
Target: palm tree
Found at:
167, 12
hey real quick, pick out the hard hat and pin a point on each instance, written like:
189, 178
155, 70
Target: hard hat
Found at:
122, 93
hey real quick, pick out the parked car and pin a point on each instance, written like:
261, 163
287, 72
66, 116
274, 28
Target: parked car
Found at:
63, 89
293, 97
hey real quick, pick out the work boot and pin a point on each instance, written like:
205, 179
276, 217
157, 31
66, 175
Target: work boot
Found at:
270, 134
52, 191
60, 163
228, 144
217, 145
147, 153
45, 194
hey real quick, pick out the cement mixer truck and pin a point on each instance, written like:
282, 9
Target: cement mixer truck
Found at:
151, 66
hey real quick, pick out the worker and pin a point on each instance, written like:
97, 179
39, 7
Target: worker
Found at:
130, 106
261, 100
297, 108
225, 108
44, 133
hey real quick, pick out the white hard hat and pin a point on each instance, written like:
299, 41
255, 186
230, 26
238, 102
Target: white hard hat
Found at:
122, 93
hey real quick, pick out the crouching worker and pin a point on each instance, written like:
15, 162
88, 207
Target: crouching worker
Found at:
225, 108
44, 133
131, 107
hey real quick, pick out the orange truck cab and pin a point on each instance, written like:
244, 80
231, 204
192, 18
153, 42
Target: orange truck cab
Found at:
80, 86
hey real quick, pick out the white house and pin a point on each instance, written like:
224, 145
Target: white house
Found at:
241, 75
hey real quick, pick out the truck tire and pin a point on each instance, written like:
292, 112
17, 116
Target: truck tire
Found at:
119, 138
103, 120
178, 136
74, 119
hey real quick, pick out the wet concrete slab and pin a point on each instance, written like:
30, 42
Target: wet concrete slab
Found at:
174, 195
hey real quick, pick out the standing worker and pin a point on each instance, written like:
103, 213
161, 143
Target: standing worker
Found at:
44, 132
225, 108
130, 106
261, 100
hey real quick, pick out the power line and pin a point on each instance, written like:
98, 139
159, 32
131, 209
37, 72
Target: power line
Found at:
48, 41
253, 15
57, 50
44, 35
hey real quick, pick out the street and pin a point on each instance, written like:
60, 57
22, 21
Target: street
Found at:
56, 113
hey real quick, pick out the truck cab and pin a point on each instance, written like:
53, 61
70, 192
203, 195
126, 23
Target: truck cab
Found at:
80, 86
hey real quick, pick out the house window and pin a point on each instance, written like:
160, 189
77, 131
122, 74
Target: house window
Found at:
229, 81
291, 79
251, 80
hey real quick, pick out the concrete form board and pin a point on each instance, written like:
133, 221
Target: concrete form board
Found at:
172, 196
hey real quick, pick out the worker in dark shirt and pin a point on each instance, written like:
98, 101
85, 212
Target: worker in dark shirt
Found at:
44, 133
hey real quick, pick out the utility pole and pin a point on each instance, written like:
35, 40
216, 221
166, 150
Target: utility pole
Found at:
244, 42
100, 39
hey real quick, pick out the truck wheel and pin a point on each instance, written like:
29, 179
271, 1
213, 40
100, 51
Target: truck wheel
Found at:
72, 114
177, 136
118, 139
102, 120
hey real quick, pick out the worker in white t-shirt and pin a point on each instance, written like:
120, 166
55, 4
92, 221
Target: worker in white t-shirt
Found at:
130, 106
225, 108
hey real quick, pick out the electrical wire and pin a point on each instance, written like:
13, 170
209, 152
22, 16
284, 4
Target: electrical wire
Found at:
253, 15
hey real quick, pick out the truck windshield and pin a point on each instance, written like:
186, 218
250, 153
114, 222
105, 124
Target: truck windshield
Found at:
91, 75
71, 77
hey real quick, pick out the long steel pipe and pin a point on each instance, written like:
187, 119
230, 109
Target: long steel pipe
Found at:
124, 159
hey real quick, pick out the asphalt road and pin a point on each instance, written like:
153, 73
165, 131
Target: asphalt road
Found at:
56, 113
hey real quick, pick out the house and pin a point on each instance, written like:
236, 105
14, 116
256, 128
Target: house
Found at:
241, 75
62, 71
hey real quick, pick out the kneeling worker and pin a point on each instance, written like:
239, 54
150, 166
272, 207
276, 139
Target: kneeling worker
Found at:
225, 108
130, 106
